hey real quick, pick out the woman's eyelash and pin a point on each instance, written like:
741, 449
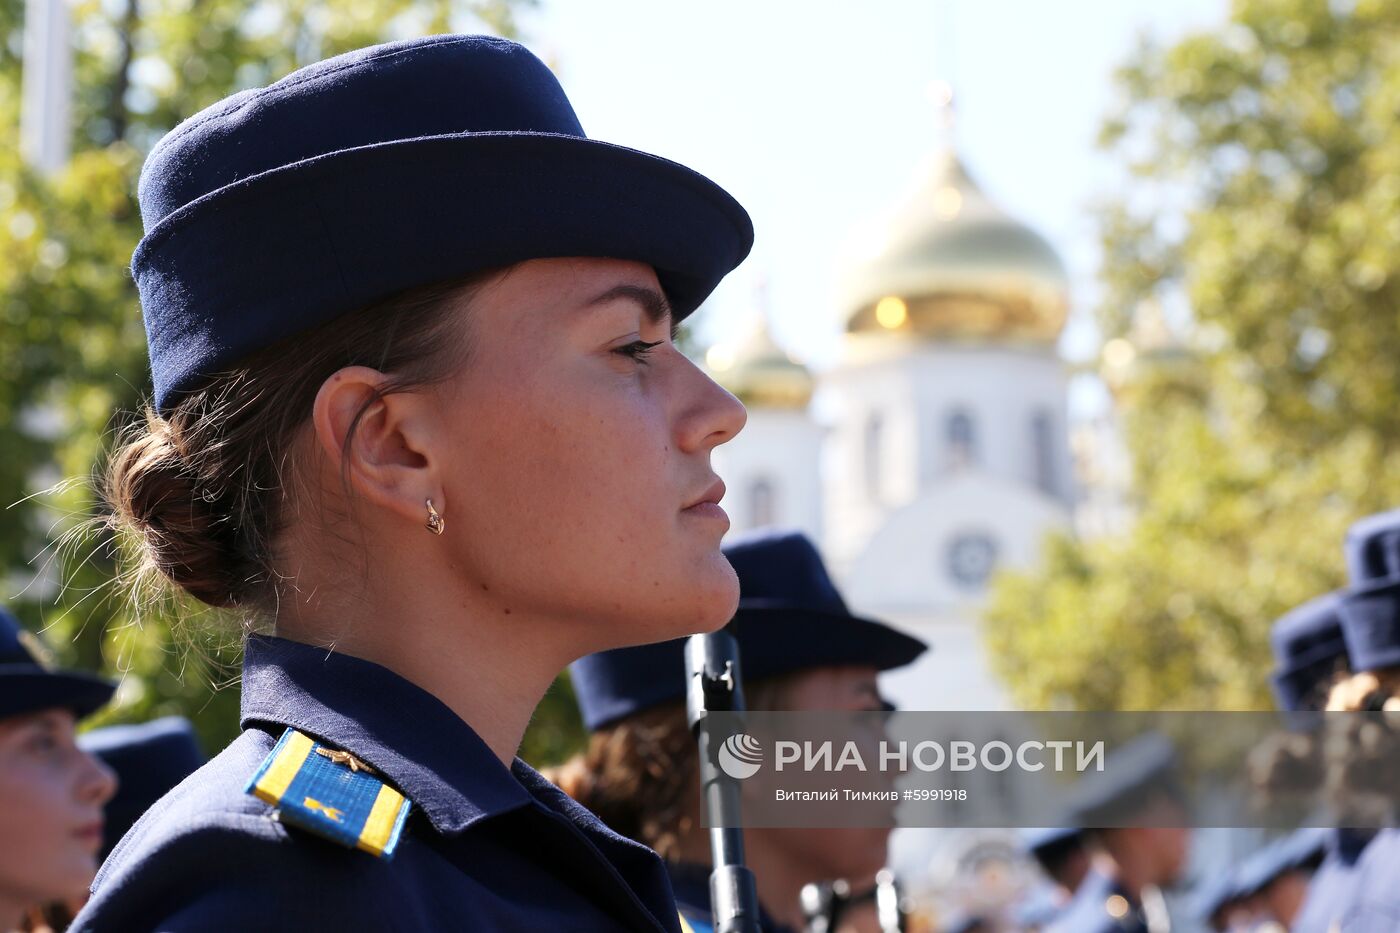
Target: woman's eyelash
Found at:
638, 349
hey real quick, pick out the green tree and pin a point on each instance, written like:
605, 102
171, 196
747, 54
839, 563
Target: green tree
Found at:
71, 341
1262, 167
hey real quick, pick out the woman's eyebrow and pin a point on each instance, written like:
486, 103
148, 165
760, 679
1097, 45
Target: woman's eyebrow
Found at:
653, 302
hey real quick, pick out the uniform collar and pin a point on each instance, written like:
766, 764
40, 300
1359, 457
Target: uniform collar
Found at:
424, 749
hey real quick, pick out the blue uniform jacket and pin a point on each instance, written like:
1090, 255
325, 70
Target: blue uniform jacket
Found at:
692, 886
1333, 886
485, 847
1099, 905
1375, 900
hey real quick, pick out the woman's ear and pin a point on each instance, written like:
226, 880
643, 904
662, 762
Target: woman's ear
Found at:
381, 443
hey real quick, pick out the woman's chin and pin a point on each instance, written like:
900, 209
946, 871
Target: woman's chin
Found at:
720, 599
704, 606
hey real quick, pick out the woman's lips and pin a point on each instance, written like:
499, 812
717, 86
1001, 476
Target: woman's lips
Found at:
710, 510
91, 834
708, 504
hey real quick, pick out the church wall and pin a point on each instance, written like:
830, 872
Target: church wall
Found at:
915, 395
782, 449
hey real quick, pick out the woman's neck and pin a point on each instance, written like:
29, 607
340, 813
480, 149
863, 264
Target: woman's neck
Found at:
489, 664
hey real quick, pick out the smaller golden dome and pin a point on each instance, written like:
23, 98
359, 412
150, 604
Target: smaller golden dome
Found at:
1150, 353
950, 264
758, 372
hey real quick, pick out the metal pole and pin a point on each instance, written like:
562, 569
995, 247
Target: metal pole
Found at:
712, 662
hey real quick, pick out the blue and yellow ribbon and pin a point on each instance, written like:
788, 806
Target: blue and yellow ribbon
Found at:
325, 795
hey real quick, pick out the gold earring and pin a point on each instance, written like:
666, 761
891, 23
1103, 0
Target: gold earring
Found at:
436, 524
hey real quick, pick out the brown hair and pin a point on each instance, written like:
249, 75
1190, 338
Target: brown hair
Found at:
640, 776
203, 490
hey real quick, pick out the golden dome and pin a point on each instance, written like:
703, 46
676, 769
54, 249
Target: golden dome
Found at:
950, 264
758, 372
1151, 352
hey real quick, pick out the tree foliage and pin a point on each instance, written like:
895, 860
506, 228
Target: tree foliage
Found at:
1263, 200
71, 342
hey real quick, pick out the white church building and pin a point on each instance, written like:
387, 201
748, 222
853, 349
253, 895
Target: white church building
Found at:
936, 450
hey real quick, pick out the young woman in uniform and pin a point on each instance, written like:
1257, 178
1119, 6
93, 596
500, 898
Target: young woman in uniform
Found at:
419, 422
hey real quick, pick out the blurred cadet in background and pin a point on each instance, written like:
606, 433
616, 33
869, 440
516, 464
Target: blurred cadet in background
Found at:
1130, 864
1310, 658
51, 791
149, 759
1370, 617
802, 649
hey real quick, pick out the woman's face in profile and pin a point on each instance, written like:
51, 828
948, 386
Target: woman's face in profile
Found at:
51, 799
579, 447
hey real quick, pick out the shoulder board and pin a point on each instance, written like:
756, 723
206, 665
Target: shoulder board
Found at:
695, 925
330, 793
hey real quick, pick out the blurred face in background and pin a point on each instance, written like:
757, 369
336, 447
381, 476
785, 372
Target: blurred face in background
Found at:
51, 799
1170, 843
853, 854
1159, 852
1283, 899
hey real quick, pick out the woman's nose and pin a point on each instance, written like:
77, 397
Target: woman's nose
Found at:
98, 782
712, 417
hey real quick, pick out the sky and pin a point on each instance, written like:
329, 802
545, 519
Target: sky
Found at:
817, 116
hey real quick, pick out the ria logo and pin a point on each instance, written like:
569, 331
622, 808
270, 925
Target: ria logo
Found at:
740, 756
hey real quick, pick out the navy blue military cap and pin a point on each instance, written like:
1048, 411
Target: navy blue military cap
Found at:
1132, 773
1372, 547
1300, 850
27, 685
790, 618
149, 759
1308, 650
1370, 611
284, 207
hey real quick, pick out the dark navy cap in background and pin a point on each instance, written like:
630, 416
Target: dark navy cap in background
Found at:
27, 685
1308, 651
1370, 611
1372, 547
